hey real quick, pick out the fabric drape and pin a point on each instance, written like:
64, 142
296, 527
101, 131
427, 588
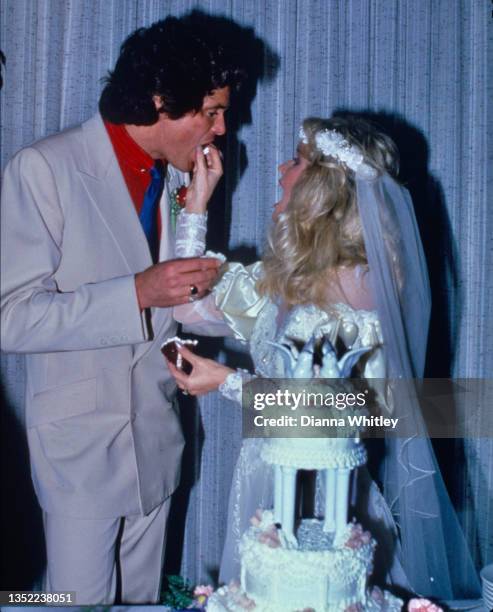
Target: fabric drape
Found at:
418, 66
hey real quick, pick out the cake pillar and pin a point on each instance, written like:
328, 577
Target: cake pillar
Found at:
330, 500
342, 497
278, 494
288, 501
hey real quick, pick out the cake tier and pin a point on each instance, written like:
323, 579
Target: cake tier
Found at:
314, 453
231, 599
319, 574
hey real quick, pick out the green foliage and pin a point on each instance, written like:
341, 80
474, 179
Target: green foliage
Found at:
176, 592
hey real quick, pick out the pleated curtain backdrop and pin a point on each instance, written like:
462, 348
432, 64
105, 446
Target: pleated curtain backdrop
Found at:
419, 66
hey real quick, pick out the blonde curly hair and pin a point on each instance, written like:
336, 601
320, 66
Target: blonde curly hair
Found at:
320, 230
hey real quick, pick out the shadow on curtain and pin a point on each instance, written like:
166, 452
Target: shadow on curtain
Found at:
23, 552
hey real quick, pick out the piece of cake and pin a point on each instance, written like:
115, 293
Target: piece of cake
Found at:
169, 348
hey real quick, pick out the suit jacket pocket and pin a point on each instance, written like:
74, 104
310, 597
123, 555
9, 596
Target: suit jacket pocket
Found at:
62, 402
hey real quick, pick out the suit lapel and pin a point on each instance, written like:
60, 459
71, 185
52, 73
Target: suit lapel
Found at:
104, 182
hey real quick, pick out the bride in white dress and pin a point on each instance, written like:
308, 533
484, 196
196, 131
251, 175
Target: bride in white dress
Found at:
343, 260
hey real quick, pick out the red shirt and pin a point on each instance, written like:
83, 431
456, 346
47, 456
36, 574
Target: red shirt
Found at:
135, 165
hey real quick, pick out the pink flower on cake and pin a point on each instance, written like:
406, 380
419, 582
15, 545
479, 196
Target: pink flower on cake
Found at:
270, 537
201, 594
264, 522
256, 518
240, 598
357, 537
203, 589
423, 605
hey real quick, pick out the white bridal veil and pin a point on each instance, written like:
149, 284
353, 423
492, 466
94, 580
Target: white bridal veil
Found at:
435, 555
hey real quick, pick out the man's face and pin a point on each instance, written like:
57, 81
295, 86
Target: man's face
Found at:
176, 139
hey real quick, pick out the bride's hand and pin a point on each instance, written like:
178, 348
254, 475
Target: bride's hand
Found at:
207, 171
206, 374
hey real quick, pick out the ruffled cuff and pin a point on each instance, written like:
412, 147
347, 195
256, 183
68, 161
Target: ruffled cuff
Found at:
237, 298
231, 388
190, 234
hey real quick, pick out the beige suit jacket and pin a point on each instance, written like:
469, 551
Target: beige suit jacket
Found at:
104, 436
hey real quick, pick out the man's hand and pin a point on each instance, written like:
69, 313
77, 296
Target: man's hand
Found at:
206, 374
170, 283
207, 171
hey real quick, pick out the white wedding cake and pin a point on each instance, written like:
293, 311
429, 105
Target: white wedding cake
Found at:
326, 566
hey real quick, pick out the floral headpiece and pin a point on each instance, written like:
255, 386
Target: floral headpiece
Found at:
331, 142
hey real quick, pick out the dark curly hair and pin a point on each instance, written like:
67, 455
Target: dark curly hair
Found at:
182, 60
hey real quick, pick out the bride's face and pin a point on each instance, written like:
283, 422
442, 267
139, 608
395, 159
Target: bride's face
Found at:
291, 171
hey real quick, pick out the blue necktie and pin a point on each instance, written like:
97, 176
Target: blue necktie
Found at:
148, 213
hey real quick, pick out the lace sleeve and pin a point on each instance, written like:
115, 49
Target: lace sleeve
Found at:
190, 234
231, 388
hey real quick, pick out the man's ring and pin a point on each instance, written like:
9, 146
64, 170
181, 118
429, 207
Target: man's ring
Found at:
193, 290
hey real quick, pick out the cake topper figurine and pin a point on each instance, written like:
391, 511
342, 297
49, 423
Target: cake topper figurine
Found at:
300, 364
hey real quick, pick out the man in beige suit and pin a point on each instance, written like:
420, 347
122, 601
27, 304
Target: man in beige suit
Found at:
83, 299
